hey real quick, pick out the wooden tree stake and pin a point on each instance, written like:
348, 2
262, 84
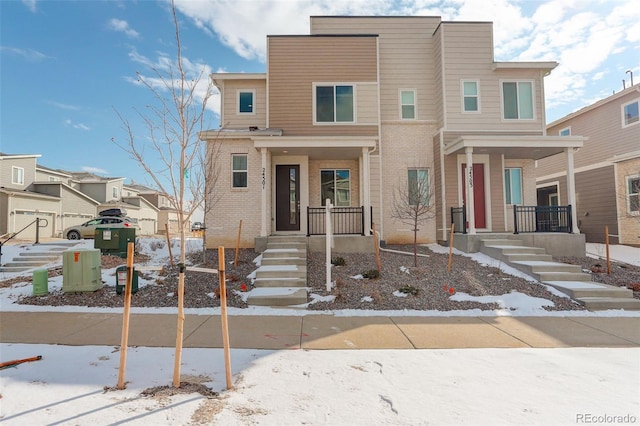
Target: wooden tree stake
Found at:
606, 239
375, 242
166, 228
450, 248
125, 317
223, 317
235, 261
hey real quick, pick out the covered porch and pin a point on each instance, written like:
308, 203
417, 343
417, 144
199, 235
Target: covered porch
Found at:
498, 194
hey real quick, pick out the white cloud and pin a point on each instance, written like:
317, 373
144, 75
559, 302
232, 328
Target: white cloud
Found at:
79, 126
94, 170
29, 54
63, 106
31, 5
122, 27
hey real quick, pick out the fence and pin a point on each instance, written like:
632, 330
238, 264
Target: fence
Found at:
345, 220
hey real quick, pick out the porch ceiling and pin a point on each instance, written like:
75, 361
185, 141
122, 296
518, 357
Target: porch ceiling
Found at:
316, 148
514, 147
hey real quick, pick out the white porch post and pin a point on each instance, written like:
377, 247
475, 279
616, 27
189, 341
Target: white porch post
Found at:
366, 189
263, 201
571, 190
468, 181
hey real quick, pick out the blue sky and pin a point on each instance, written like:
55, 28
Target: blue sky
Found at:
66, 65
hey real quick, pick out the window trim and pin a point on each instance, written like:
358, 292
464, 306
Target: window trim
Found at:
568, 128
428, 179
400, 104
462, 96
533, 100
253, 103
335, 193
115, 193
315, 104
624, 120
246, 171
628, 195
511, 187
20, 171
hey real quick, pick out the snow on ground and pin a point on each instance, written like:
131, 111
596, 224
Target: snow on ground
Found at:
342, 387
562, 386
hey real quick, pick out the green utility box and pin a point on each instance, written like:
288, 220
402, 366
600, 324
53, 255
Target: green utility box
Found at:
121, 279
40, 282
81, 270
114, 241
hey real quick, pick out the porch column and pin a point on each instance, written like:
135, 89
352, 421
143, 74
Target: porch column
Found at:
263, 195
571, 190
468, 182
366, 189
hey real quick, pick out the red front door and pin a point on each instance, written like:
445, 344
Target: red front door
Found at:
478, 194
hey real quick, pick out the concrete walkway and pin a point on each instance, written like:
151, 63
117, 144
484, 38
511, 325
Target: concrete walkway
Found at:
322, 331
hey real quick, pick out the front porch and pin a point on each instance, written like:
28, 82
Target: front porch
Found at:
554, 243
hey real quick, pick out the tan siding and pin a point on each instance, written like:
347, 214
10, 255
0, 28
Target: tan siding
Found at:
441, 221
437, 74
295, 63
595, 194
6, 172
629, 223
469, 56
233, 119
496, 199
406, 57
367, 102
603, 127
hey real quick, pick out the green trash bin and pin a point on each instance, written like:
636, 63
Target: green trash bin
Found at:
121, 280
40, 282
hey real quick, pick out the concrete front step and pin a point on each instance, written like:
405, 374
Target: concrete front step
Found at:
604, 303
277, 296
13, 268
501, 252
500, 242
273, 261
561, 276
282, 271
533, 257
280, 282
581, 289
286, 245
284, 252
543, 266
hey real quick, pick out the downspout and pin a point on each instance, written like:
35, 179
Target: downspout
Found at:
381, 228
443, 195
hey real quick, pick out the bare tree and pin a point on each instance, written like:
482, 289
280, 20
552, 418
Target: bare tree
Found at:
183, 170
412, 203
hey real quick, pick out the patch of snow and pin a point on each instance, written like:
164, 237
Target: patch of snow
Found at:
357, 277
514, 300
398, 293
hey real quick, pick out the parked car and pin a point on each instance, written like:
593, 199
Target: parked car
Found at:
197, 226
88, 229
117, 212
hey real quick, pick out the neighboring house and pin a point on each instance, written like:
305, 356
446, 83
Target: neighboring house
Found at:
167, 216
607, 168
365, 105
63, 199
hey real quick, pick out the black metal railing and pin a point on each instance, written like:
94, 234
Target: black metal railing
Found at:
38, 226
459, 219
345, 220
542, 219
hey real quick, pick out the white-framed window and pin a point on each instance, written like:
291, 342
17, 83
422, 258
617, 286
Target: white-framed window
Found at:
407, 104
334, 103
565, 132
633, 194
246, 99
17, 175
518, 100
53, 179
239, 170
115, 192
470, 95
336, 186
630, 113
163, 200
513, 185
418, 187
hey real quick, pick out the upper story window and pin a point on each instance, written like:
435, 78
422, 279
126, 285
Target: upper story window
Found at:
246, 101
517, 100
334, 104
513, 185
470, 96
53, 179
418, 187
407, 104
239, 170
633, 194
565, 132
336, 186
17, 175
163, 200
630, 113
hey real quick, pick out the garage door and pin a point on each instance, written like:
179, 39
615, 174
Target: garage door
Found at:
147, 226
24, 219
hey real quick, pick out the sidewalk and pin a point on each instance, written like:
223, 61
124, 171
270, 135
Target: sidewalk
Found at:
322, 331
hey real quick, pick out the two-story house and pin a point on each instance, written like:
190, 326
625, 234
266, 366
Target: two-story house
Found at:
607, 168
364, 106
